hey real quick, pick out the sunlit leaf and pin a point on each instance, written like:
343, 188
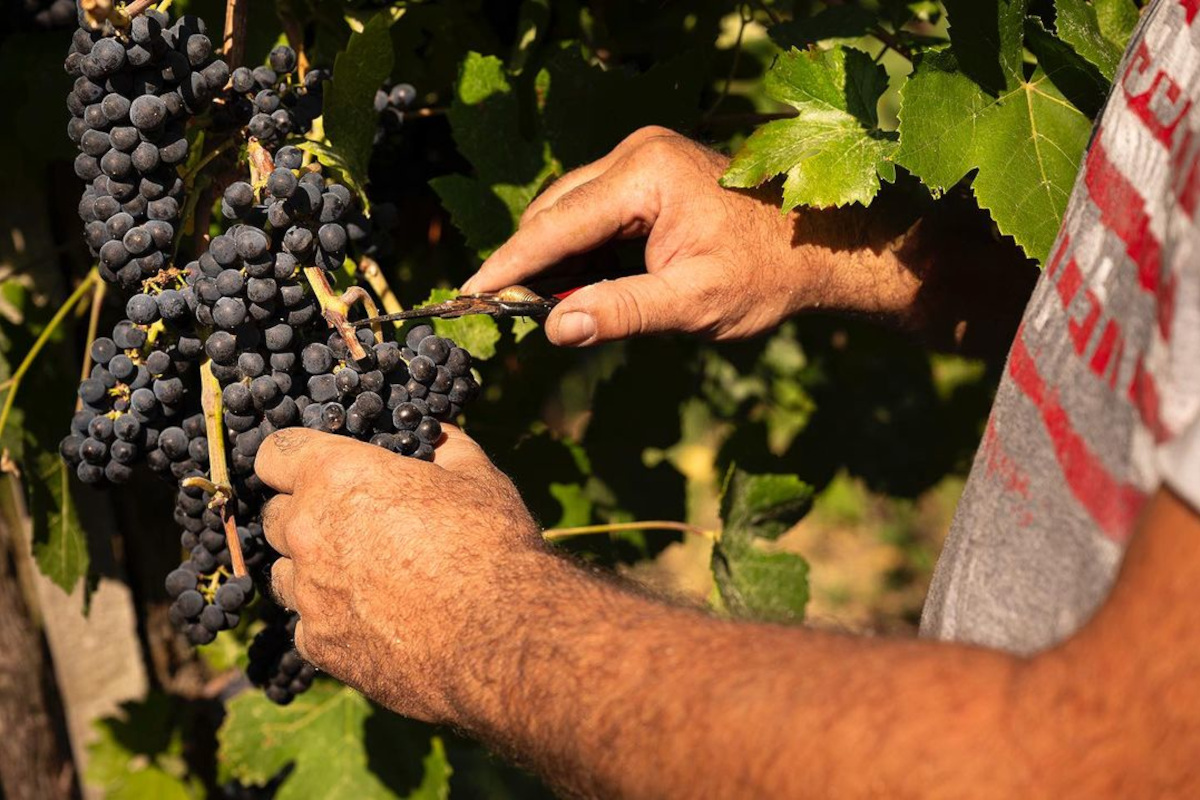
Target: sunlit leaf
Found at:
832, 153
338, 745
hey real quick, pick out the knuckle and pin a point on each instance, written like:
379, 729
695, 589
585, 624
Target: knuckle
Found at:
647, 133
578, 197
629, 313
272, 515
661, 148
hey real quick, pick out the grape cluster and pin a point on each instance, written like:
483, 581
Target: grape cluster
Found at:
244, 306
251, 294
206, 601
269, 103
391, 103
133, 94
275, 664
298, 203
127, 401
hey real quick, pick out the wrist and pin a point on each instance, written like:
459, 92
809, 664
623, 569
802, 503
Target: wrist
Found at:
851, 260
487, 651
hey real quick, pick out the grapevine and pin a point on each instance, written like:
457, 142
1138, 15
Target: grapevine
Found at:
247, 335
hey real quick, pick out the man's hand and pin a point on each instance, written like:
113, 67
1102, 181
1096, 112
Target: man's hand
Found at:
720, 263
388, 559
727, 264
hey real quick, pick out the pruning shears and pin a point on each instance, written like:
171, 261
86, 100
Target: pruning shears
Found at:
514, 301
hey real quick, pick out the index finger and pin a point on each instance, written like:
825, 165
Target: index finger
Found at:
617, 204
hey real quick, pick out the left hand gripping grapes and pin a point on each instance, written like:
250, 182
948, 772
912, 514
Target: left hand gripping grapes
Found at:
243, 308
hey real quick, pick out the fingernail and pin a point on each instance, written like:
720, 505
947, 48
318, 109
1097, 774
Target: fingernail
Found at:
575, 327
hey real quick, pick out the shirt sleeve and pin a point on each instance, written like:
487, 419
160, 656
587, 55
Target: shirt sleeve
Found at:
1179, 464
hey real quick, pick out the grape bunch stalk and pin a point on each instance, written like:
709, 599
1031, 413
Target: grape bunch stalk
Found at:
226, 340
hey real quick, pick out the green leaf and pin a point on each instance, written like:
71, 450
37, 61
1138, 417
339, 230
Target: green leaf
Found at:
1029, 148
485, 118
509, 167
589, 110
339, 745
1117, 19
139, 754
834, 22
488, 214
576, 504
757, 583
986, 36
1026, 145
755, 578
761, 506
1078, 79
1079, 26
522, 327
59, 541
532, 23
833, 152
478, 333
350, 119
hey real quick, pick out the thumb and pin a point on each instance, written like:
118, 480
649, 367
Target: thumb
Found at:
635, 306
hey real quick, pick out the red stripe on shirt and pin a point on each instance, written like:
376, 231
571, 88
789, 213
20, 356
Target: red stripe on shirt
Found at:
1123, 211
1190, 8
1143, 391
1161, 104
1113, 505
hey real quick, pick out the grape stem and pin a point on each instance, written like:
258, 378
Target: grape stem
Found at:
334, 309
190, 175
93, 327
218, 468
234, 42
295, 36
559, 534
745, 17
14, 383
357, 294
136, 7
890, 40
370, 270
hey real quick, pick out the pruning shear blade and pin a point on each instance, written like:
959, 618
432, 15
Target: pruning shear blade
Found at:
515, 301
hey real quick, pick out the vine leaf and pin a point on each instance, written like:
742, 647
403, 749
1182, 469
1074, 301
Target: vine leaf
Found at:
1080, 81
1022, 136
59, 541
139, 754
575, 502
349, 117
1117, 19
533, 20
476, 332
834, 22
589, 110
833, 152
753, 578
1078, 25
329, 735
509, 167
986, 36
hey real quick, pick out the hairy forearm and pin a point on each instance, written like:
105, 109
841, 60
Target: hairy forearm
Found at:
935, 268
611, 694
